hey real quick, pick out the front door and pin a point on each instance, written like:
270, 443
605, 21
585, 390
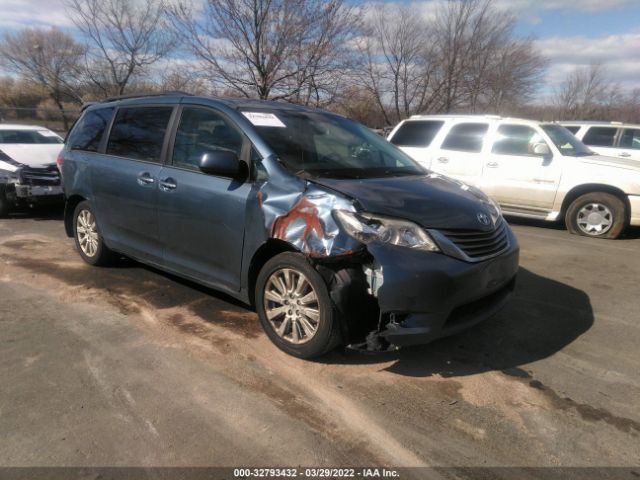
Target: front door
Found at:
125, 180
201, 216
515, 175
630, 144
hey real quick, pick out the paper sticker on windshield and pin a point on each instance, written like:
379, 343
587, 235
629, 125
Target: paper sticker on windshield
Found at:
260, 119
47, 133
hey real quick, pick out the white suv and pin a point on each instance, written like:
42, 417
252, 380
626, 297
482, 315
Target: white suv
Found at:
533, 169
608, 138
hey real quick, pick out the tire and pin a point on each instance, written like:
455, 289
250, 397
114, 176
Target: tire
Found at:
277, 298
5, 206
597, 215
92, 250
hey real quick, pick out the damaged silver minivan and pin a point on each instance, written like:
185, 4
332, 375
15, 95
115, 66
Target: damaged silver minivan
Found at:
334, 235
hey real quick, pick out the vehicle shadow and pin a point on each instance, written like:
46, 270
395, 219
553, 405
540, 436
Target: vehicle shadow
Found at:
532, 222
38, 213
543, 317
630, 233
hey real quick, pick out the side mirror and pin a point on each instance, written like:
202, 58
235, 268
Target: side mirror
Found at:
541, 149
221, 163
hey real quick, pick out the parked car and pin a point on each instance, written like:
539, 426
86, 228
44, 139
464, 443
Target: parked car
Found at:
532, 169
331, 232
28, 172
614, 139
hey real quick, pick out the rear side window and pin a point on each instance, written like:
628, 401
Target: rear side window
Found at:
630, 139
138, 133
600, 136
572, 128
88, 132
416, 133
466, 137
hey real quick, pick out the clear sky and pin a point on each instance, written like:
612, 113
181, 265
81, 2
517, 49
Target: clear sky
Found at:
568, 32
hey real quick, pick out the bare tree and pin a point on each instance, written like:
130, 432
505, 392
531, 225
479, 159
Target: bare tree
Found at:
48, 57
587, 94
126, 37
399, 64
271, 49
466, 57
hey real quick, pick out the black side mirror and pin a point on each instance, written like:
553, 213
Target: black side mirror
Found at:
221, 163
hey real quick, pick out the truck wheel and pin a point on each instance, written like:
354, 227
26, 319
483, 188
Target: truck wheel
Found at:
295, 308
88, 239
598, 214
5, 207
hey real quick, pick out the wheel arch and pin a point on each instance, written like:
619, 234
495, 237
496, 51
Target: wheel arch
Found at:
580, 190
69, 207
265, 252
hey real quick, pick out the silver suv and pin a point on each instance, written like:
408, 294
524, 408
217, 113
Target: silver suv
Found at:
608, 138
532, 169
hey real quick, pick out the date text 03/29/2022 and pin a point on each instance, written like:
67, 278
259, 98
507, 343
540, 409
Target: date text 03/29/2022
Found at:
315, 472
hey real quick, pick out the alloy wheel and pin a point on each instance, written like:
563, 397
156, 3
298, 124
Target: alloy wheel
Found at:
87, 233
595, 219
291, 306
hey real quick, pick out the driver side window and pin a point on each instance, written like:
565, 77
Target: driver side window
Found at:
518, 140
200, 131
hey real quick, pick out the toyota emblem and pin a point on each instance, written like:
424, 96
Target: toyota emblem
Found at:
484, 219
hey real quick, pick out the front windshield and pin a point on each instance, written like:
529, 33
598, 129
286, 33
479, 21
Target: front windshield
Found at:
326, 145
566, 142
29, 136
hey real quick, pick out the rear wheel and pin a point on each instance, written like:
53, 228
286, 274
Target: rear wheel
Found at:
88, 238
295, 308
598, 214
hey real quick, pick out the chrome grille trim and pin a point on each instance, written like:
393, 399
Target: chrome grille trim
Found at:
474, 245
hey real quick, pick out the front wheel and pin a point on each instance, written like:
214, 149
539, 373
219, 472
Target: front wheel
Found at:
295, 308
598, 214
89, 241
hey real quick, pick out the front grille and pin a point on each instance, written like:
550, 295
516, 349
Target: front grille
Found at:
477, 244
40, 176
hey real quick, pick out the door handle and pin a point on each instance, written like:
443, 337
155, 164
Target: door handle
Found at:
168, 184
443, 160
624, 154
145, 178
493, 164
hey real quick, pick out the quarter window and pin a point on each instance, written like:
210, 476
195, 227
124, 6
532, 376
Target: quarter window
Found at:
516, 140
138, 133
466, 137
201, 131
630, 139
600, 136
416, 133
88, 132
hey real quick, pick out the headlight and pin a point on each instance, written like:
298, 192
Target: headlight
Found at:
368, 228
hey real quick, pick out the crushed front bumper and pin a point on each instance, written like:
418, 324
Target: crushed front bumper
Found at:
427, 296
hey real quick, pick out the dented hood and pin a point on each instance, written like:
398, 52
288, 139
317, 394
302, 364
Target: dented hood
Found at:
33, 155
432, 201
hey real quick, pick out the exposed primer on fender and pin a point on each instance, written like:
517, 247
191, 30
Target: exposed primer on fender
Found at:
305, 220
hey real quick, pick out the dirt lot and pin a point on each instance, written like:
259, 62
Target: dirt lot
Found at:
130, 366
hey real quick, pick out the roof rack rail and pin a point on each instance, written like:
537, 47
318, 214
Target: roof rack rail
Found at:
142, 95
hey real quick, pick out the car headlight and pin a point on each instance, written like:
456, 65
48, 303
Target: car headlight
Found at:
368, 228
